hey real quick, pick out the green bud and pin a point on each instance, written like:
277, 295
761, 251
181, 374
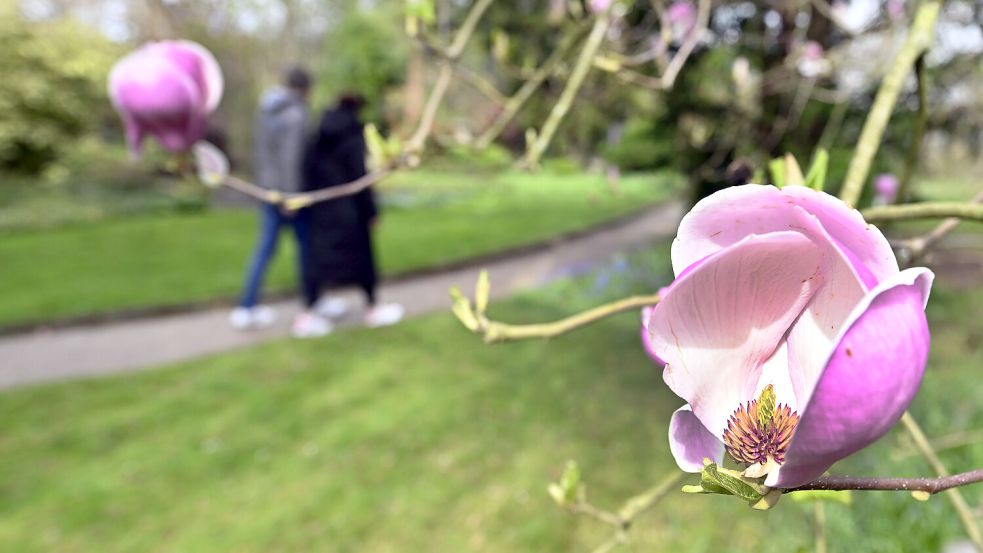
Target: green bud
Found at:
766, 406
461, 307
482, 290
569, 489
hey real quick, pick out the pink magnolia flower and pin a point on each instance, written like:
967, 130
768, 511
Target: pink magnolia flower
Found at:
791, 292
886, 188
167, 90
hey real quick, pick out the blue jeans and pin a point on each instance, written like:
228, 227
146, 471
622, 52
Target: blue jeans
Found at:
271, 221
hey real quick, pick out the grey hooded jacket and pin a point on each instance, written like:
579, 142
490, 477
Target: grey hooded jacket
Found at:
281, 130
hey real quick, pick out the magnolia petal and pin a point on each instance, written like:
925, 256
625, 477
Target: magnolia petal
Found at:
870, 378
646, 340
722, 320
728, 216
153, 96
813, 335
198, 63
775, 371
690, 442
862, 241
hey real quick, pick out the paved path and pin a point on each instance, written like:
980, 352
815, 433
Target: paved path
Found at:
49, 355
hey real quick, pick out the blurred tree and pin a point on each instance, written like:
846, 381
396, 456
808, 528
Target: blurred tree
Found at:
53, 88
366, 53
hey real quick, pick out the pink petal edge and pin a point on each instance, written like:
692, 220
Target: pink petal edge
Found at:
870, 378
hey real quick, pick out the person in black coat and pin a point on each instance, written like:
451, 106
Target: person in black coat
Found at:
340, 251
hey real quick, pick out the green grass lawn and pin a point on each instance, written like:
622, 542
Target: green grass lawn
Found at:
421, 438
430, 218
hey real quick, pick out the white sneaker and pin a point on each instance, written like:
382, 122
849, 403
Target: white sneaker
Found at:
310, 325
331, 308
250, 318
384, 315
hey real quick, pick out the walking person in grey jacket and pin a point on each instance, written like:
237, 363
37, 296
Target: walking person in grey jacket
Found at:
280, 138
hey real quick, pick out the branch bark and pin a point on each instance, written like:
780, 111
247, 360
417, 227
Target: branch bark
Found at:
955, 496
584, 62
501, 332
519, 99
872, 483
918, 41
924, 210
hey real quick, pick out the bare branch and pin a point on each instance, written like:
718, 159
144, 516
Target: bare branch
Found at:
873, 483
494, 331
919, 39
916, 247
924, 210
954, 495
577, 76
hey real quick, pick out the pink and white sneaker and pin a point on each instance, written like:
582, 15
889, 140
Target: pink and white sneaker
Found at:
384, 315
310, 325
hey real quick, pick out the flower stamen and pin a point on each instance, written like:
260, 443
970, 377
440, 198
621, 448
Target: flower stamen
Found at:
759, 432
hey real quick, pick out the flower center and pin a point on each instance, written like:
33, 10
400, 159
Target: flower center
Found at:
759, 431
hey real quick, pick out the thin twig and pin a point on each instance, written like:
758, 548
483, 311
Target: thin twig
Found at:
525, 92
946, 442
932, 485
501, 332
821, 546
954, 495
924, 210
676, 65
634, 506
668, 78
919, 39
917, 133
416, 142
916, 247
414, 146
577, 76
481, 84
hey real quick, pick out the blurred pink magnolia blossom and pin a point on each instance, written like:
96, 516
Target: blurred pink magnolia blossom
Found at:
599, 6
895, 10
166, 90
812, 60
682, 17
886, 188
786, 291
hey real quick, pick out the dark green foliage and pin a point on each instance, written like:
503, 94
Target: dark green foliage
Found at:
366, 54
52, 89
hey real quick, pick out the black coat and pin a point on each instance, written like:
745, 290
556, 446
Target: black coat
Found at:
341, 243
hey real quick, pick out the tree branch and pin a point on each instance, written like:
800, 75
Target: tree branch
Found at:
955, 496
409, 157
873, 483
668, 78
924, 210
919, 39
517, 100
917, 133
917, 246
630, 510
494, 331
584, 61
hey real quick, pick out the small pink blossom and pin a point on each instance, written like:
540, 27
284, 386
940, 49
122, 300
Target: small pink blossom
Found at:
787, 292
682, 17
166, 89
886, 188
895, 10
600, 6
